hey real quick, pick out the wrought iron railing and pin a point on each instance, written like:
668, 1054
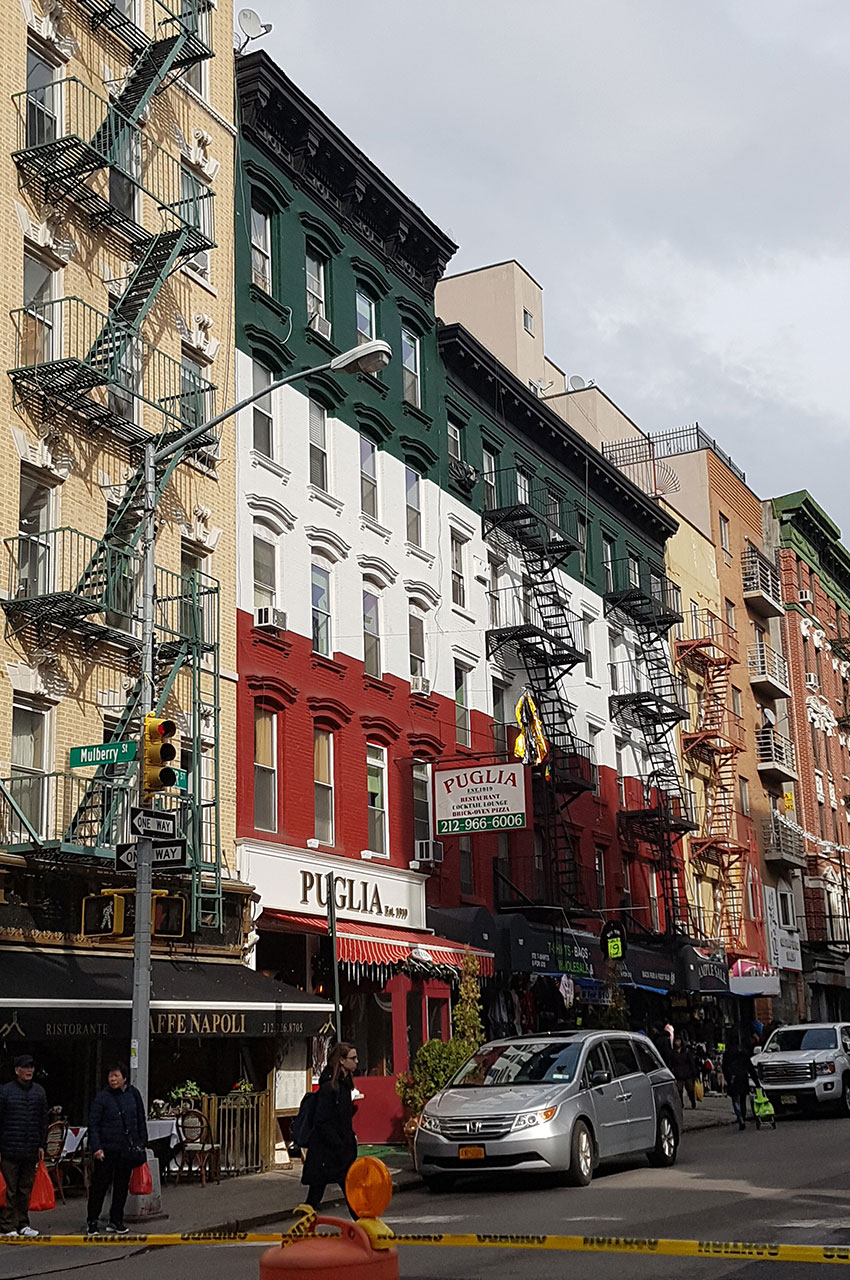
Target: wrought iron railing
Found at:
517, 609
642, 592
707, 722
706, 627
760, 575
773, 748
514, 491
189, 17
781, 840
763, 662
55, 563
82, 813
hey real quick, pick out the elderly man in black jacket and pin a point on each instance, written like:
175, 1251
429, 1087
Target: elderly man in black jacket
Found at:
23, 1133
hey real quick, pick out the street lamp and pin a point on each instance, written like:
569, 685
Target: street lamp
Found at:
368, 357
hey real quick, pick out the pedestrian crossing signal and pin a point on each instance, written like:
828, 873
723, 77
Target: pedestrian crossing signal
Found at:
103, 915
159, 751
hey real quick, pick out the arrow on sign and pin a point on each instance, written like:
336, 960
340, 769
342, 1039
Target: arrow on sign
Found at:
153, 822
166, 853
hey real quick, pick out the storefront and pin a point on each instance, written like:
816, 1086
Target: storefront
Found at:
213, 1023
785, 954
396, 977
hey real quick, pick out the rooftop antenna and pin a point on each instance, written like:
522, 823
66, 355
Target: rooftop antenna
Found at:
576, 383
251, 27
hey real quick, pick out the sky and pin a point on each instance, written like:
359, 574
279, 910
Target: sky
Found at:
674, 173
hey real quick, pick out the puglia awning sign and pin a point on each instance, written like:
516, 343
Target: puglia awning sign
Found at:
480, 798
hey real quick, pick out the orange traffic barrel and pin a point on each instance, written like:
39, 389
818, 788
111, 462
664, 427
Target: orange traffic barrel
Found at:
349, 1254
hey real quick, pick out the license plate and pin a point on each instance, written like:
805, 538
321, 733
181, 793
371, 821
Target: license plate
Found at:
471, 1153
788, 1099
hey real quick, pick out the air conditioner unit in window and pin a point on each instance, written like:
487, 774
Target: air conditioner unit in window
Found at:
420, 684
805, 597
270, 619
320, 324
429, 853
812, 682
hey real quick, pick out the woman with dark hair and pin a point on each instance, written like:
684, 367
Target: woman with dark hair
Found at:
116, 1124
332, 1148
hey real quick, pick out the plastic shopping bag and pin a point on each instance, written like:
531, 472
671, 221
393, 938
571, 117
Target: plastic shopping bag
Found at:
699, 1092
43, 1196
141, 1182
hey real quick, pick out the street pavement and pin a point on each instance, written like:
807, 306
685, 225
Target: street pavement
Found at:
788, 1185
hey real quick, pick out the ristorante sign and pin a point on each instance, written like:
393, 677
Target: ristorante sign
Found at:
45, 1024
296, 881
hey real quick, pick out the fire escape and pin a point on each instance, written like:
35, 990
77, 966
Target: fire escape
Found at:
535, 636
78, 151
647, 700
713, 739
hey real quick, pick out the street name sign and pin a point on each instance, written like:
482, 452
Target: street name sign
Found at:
103, 753
153, 822
167, 855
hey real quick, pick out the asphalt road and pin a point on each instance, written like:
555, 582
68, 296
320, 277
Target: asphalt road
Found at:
791, 1185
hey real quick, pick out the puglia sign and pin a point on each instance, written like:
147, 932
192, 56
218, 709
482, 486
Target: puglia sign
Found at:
481, 798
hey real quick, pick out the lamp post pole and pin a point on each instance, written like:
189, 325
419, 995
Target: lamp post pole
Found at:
331, 883
368, 358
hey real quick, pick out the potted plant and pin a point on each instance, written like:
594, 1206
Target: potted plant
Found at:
185, 1096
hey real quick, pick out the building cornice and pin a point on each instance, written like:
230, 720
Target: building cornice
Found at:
806, 529
301, 141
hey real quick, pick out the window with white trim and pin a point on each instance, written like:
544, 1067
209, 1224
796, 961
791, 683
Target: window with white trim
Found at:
318, 445
376, 798
608, 562
455, 439
489, 465
787, 913
197, 73
36, 338
315, 273
422, 827
587, 642
527, 321
365, 308
653, 899
29, 759
599, 868
724, 532
458, 578
463, 732
261, 248
523, 486
371, 633
368, 478
320, 584
265, 769
265, 568
416, 635
410, 388
263, 424
413, 507
42, 125
34, 547
323, 786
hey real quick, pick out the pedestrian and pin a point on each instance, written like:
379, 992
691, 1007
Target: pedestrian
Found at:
662, 1043
116, 1124
23, 1135
332, 1148
738, 1071
684, 1070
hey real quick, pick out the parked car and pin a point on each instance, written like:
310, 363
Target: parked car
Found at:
807, 1066
556, 1103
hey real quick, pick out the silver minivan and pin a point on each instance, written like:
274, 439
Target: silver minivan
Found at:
558, 1103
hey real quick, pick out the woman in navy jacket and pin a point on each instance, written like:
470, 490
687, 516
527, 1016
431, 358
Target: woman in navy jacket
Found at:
332, 1148
116, 1123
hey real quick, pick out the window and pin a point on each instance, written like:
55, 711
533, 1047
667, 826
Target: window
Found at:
653, 898
458, 582
318, 446
493, 599
455, 431
191, 601
581, 537
634, 572
315, 272
599, 866
587, 641
365, 318
627, 883
467, 871
197, 73
500, 725
376, 789
36, 342
729, 612
263, 420
620, 754
527, 321
737, 705
414, 513
368, 478
41, 100
622, 1056
323, 786
261, 254
320, 580
265, 769
29, 751
462, 726
608, 562
197, 206
33, 545
787, 914
416, 634
724, 532
502, 868
410, 389
421, 800
371, 635
523, 486
265, 572
194, 394
744, 792
489, 463
124, 173
594, 737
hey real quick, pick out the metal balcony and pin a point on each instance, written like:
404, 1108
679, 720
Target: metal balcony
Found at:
762, 588
61, 816
775, 756
705, 640
69, 354
522, 514
782, 843
67, 133
768, 671
640, 595
711, 730
533, 628
187, 20
637, 703
570, 766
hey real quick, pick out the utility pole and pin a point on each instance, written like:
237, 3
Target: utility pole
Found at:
331, 883
370, 357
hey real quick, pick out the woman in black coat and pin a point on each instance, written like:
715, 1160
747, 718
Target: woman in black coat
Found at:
116, 1123
332, 1148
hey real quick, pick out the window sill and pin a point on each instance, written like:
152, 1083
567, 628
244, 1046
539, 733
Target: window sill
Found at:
268, 464
277, 308
413, 411
369, 855
464, 613
420, 553
371, 380
320, 662
321, 495
198, 279
324, 344
378, 684
370, 523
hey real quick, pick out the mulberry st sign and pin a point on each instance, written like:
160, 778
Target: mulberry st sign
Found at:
479, 798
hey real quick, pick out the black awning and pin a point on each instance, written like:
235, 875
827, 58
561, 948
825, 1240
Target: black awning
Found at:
53, 995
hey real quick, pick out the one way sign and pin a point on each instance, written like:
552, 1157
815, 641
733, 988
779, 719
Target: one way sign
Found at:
167, 854
153, 822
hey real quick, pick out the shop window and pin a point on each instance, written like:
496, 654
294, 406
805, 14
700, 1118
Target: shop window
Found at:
437, 1016
367, 1022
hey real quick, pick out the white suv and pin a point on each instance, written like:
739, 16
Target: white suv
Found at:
807, 1066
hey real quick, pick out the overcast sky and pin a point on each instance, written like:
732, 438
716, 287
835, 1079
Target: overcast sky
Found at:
674, 173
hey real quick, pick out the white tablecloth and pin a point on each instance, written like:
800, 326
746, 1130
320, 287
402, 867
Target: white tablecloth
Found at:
156, 1129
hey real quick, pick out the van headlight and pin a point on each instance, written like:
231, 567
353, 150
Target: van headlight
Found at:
430, 1124
825, 1068
528, 1119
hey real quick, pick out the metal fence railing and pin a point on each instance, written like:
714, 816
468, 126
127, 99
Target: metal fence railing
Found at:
243, 1124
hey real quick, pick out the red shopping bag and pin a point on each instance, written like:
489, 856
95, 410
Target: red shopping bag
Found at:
141, 1182
42, 1196
2, 1192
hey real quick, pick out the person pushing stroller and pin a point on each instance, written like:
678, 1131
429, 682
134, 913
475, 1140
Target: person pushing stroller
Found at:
738, 1071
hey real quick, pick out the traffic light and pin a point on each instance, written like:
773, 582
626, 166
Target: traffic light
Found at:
103, 915
159, 752
169, 916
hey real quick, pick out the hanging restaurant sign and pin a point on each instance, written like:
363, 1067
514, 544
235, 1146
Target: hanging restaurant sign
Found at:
480, 798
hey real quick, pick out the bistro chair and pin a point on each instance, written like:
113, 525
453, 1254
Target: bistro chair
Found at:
196, 1143
53, 1149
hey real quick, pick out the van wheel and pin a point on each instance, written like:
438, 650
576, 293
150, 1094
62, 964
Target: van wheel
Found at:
438, 1182
580, 1171
666, 1148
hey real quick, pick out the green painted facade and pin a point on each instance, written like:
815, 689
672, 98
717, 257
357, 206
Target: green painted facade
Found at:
805, 528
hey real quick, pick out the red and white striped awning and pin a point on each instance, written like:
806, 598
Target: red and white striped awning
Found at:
361, 943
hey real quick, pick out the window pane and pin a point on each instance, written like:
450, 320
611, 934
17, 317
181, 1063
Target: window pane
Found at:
410, 367
368, 478
264, 563
27, 738
264, 736
323, 789
321, 601
371, 636
315, 271
263, 433
421, 801
416, 634
365, 318
376, 799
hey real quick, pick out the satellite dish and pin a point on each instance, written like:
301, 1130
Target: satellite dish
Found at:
769, 717
577, 383
249, 23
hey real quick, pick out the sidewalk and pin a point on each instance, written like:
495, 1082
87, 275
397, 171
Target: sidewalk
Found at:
714, 1110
